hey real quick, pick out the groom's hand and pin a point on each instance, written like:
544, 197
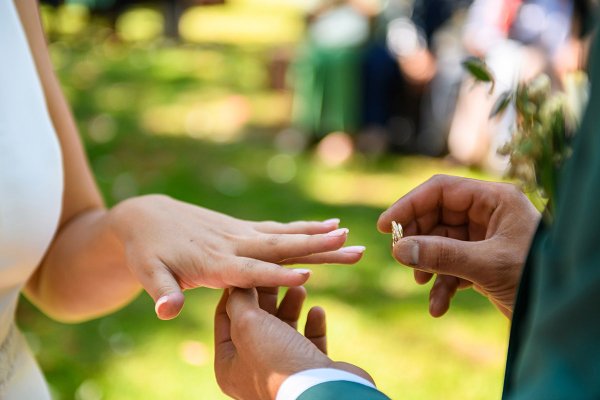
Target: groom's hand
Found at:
257, 345
468, 232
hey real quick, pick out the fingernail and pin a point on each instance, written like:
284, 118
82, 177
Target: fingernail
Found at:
353, 249
332, 221
302, 271
407, 252
338, 232
159, 303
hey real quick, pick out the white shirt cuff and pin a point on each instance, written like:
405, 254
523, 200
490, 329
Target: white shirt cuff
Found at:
300, 382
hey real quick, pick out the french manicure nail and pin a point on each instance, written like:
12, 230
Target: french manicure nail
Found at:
160, 302
338, 232
302, 271
353, 249
332, 221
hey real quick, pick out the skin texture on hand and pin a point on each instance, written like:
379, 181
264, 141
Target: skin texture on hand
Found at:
171, 246
469, 233
257, 345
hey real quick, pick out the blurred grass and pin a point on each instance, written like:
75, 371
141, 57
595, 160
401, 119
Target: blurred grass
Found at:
142, 113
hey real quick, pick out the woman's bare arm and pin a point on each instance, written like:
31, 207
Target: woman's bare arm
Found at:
59, 287
99, 257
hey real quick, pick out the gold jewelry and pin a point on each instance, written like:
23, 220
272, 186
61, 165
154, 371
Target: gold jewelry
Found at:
397, 232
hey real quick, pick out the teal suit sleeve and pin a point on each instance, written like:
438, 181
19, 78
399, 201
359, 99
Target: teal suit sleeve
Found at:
342, 390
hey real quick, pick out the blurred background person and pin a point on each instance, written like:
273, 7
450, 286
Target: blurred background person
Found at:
519, 40
429, 52
327, 69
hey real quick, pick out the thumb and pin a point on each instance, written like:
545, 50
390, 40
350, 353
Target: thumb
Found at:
247, 319
164, 289
242, 303
442, 255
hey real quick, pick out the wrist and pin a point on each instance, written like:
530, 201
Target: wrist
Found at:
298, 383
276, 381
353, 369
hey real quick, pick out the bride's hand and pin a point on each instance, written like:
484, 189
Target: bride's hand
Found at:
170, 246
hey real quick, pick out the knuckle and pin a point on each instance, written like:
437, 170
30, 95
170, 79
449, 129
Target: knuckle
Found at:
272, 240
150, 268
248, 266
509, 190
448, 255
439, 178
245, 321
247, 277
163, 290
269, 224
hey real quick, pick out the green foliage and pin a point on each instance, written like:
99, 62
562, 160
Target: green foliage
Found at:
541, 141
501, 104
479, 70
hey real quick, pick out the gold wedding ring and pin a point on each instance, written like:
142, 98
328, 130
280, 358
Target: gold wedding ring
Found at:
397, 232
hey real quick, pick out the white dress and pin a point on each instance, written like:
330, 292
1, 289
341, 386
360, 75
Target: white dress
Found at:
31, 187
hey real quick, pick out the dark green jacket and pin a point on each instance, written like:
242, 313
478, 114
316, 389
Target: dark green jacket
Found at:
342, 390
554, 350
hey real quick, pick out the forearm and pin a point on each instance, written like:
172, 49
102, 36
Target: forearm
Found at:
84, 274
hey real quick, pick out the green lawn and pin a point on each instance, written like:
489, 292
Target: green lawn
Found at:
197, 122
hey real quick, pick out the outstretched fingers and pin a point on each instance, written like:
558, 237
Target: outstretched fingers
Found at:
345, 255
305, 227
251, 273
279, 247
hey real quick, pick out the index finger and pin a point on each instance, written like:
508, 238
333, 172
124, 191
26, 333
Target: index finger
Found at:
445, 199
267, 298
241, 302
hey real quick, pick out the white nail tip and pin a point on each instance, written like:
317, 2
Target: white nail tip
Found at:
353, 249
302, 271
160, 302
338, 232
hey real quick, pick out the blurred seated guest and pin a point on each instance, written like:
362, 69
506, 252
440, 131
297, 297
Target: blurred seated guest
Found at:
572, 56
326, 74
518, 40
74, 258
429, 51
389, 107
